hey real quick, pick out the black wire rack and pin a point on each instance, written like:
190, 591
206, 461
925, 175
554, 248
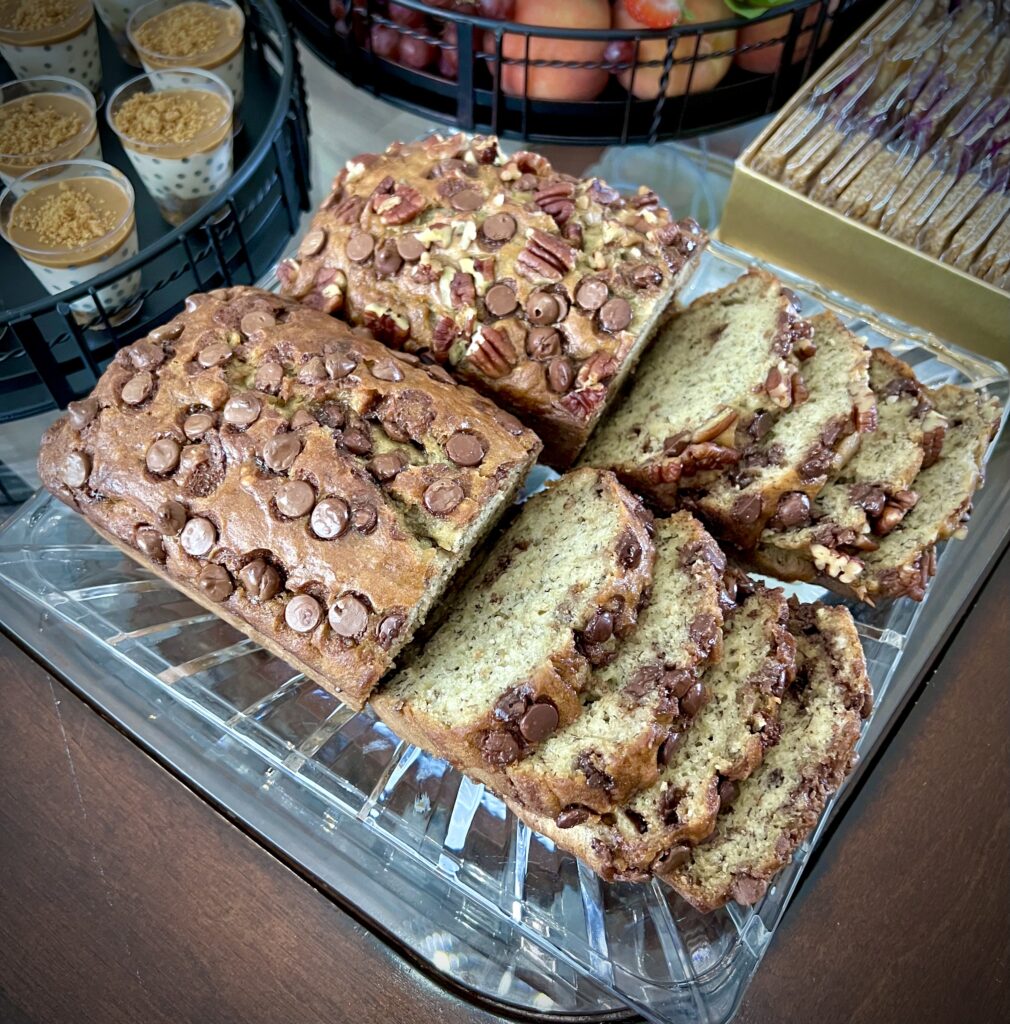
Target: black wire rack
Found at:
478, 71
47, 356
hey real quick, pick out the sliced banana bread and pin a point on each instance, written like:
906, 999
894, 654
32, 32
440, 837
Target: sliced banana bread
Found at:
721, 368
647, 695
507, 666
774, 810
725, 741
832, 405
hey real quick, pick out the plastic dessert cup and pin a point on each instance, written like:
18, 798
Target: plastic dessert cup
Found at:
51, 37
43, 120
115, 15
71, 221
176, 128
203, 34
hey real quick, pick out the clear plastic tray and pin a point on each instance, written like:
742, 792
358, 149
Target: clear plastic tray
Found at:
431, 859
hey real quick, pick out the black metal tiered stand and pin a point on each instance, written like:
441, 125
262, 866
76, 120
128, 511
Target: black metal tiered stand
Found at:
473, 98
47, 357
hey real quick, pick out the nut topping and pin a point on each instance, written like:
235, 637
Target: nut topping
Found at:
491, 352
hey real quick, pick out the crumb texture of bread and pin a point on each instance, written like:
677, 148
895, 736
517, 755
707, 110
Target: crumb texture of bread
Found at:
647, 693
538, 288
507, 666
775, 809
311, 486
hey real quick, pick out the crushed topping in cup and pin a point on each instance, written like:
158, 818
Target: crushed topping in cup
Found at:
174, 115
33, 15
184, 30
35, 127
68, 217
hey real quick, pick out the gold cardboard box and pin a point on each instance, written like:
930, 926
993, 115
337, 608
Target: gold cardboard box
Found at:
764, 217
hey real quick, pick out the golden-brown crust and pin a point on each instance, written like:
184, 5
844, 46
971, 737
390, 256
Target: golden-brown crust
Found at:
202, 434
547, 233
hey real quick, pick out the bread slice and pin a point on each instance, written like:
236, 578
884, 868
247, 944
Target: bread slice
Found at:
507, 666
726, 740
803, 446
777, 807
650, 690
729, 356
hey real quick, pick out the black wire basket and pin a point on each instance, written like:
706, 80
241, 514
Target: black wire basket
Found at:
439, 59
48, 356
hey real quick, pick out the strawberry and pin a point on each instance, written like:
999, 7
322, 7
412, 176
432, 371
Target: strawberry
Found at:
655, 13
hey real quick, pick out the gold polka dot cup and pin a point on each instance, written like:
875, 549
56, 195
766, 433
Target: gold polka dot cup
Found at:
204, 34
70, 222
115, 15
51, 37
181, 170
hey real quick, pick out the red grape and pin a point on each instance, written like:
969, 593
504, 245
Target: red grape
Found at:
406, 16
385, 41
619, 51
500, 10
416, 53
448, 57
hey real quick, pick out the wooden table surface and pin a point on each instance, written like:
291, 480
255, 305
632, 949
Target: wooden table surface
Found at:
124, 897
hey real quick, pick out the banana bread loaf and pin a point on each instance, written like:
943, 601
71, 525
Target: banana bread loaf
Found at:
310, 486
507, 666
717, 377
537, 288
759, 830
638, 704
724, 742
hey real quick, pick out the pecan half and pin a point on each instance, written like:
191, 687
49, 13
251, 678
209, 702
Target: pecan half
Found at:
348, 210
555, 198
583, 403
545, 257
599, 368
462, 290
402, 206
491, 352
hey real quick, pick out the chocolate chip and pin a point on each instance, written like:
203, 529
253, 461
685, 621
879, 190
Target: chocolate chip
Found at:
338, 366
170, 518
332, 415
302, 418
438, 373
82, 413
76, 469
704, 631
349, 617
389, 629
543, 308
261, 580
592, 293
793, 510
149, 543
303, 613
386, 369
163, 456
360, 246
572, 816
508, 422
629, 552
499, 748
441, 497
675, 857
599, 629
364, 517
387, 258
746, 509
409, 248
330, 518
268, 378
197, 425
560, 375
669, 747
257, 320
512, 705
499, 227
214, 355
280, 452
692, 701
387, 466
137, 388
199, 535
466, 201
646, 275
356, 441
215, 582
312, 243
242, 410
615, 315
729, 790
294, 498
313, 372
465, 449
539, 722
596, 778
500, 300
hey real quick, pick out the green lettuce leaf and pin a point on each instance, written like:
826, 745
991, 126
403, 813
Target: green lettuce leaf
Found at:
752, 8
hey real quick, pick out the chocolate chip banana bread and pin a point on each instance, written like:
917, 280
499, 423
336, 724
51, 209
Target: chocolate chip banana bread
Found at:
636, 706
724, 742
310, 486
872, 532
774, 811
537, 288
715, 380
507, 666
832, 404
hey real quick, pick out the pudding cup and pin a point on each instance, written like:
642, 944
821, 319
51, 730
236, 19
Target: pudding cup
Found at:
205, 34
176, 128
51, 37
35, 108
115, 15
41, 215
